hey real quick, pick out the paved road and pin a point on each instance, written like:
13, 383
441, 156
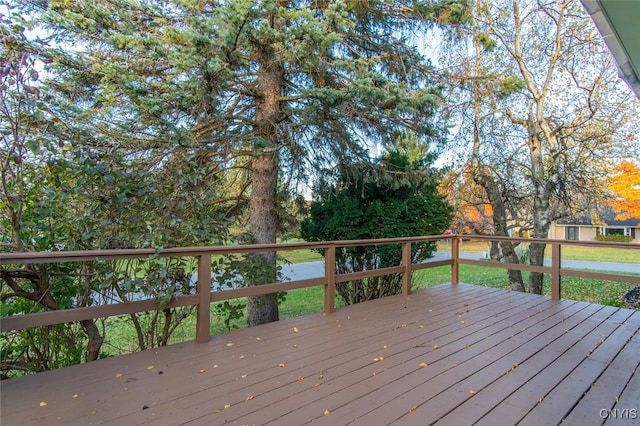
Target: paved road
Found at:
302, 271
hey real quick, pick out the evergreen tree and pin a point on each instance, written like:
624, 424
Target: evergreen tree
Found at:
396, 197
257, 87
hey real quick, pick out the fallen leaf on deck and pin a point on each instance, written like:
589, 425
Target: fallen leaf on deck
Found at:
244, 376
472, 392
540, 400
215, 366
281, 365
295, 329
227, 406
43, 404
327, 412
300, 378
257, 338
118, 375
435, 346
384, 347
202, 370
150, 367
249, 398
75, 395
422, 364
414, 408
230, 344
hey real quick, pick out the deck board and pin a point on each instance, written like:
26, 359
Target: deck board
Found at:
493, 357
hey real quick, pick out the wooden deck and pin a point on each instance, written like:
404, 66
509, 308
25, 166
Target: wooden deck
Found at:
451, 355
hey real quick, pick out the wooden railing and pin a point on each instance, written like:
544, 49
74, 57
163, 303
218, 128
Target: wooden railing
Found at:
204, 296
555, 270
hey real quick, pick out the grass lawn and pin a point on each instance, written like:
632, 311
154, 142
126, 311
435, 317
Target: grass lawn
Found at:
575, 288
121, 337
569, 252
630, 255
299, 256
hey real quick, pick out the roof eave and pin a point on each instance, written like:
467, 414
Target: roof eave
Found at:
627, 70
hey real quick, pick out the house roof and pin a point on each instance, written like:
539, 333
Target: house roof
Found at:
617, 21
606, 215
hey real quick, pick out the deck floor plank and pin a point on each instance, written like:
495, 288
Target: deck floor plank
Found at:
521, 372
313, 356
589, 410
493, 357
629, 400
452, 350
400, 359
590, 365
362, 344
361, 365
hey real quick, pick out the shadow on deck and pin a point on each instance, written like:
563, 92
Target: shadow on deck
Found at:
452, 355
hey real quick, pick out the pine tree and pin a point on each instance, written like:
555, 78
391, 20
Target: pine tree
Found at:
257, 87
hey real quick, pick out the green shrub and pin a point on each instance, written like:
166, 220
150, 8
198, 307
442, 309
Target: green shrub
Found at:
614, 238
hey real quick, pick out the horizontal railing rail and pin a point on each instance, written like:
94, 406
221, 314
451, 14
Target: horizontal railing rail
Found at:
205, 296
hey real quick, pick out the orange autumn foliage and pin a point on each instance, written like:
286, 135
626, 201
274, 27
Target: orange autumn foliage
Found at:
625, 184
473, 212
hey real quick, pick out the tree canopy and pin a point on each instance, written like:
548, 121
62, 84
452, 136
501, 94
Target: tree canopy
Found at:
157, 124
624, 182
542, 115
253, 89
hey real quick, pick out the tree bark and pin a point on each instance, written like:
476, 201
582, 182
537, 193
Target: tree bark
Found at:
263, 216
95, 340
543, 182
263, 225
507, 248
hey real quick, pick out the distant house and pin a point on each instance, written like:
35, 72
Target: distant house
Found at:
584, 228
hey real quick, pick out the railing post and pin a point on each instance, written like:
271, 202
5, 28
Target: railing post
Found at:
455, 253
406, 262
555, 271
330, 276
203, 320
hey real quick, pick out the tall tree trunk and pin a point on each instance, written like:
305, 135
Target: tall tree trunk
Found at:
507, 248
543, 185
489, 184
263, 224
263, 216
